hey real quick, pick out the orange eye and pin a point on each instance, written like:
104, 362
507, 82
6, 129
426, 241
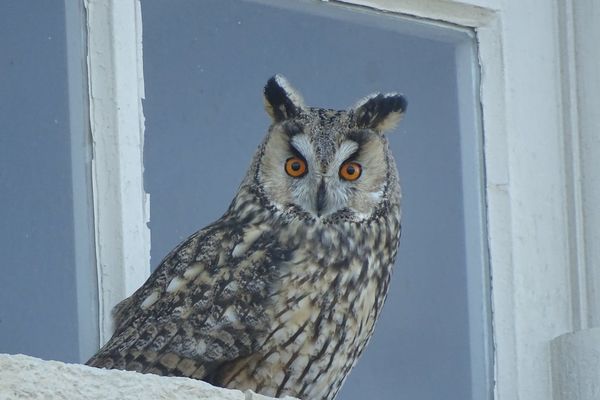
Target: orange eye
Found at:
295, 167
350, 171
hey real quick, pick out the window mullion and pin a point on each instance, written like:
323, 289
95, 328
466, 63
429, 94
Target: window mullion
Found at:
121, 206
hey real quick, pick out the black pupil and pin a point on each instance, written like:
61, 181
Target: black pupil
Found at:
296, 166
350, 170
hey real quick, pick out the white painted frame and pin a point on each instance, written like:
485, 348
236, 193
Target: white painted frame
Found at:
540, 103
121, 206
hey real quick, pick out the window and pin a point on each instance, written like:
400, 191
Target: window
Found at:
205, 64
48, 286
533, 161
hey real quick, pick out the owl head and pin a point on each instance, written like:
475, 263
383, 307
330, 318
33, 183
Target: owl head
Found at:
327, 164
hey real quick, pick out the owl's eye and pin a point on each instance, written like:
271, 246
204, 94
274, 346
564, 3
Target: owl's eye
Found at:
295, 167
350, 171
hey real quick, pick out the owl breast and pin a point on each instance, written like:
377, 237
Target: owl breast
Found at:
323, 308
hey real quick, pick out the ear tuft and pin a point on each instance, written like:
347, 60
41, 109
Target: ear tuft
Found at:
380, 112
282, 101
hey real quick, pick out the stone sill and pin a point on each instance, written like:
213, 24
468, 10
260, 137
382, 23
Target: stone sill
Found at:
24, 377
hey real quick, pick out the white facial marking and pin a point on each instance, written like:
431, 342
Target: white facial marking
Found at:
376, 196
346, 149
302, 144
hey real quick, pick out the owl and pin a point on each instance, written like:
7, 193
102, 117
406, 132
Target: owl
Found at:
281, 294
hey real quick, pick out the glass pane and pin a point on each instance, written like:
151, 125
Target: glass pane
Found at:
205, 64
47, 290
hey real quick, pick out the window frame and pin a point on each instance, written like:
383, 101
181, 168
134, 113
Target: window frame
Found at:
121, 206
539, 100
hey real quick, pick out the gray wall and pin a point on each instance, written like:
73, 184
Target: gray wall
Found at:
47, 283
205, 64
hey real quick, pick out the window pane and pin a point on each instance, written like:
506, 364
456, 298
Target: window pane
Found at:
47, 290
205, 64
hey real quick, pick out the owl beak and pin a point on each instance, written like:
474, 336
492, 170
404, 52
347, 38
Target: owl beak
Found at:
321, 203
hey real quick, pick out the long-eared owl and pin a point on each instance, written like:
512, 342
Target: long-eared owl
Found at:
281, 294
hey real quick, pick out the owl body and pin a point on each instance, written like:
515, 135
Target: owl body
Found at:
281, 294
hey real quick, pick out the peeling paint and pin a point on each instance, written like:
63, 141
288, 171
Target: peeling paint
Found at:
121, 206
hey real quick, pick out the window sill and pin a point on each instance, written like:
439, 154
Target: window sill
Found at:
28, 377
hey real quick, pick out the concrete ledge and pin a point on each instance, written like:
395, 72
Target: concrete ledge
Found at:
24, 377
576, 365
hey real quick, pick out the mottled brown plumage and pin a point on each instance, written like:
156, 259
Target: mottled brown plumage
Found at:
281, 294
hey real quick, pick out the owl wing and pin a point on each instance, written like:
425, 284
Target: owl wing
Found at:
203, 306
